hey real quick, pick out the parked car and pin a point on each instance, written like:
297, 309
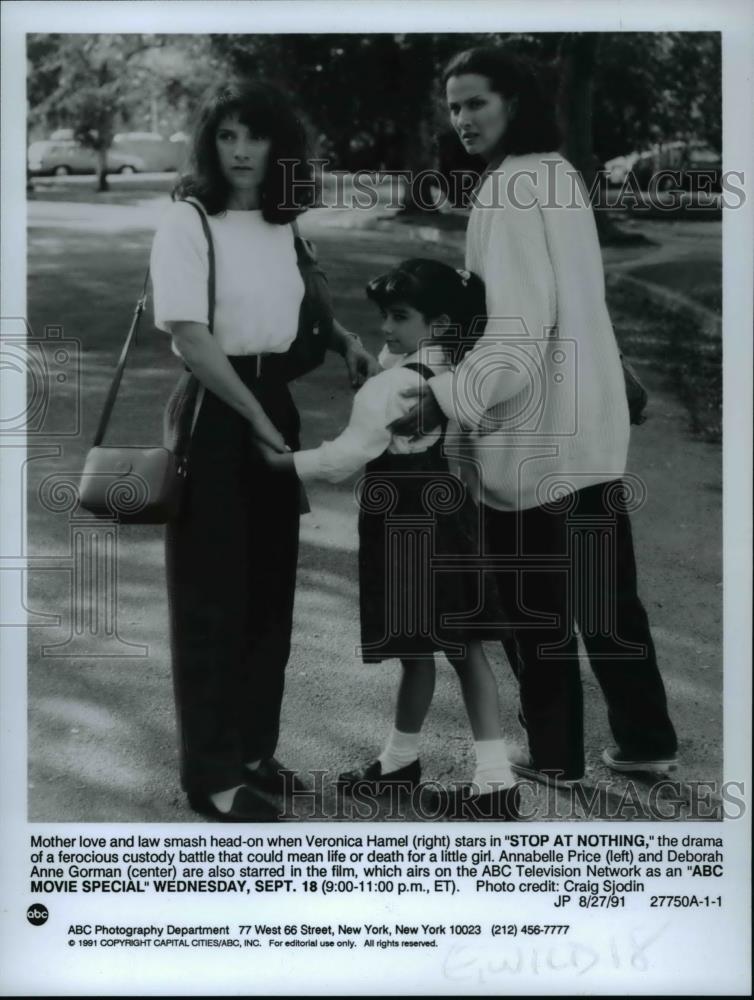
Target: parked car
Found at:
619, 167
158, 153
130, 152
683, 165
66, 156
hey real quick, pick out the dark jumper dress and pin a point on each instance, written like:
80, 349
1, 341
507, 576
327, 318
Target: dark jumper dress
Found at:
417, 525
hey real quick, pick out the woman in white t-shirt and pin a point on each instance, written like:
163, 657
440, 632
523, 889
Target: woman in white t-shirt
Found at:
540, 413
231, 555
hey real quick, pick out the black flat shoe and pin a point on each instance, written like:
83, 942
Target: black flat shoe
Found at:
272, 776
371, 778
462, 802
247, 807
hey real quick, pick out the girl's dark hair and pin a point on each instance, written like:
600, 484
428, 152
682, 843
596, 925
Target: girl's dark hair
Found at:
288, 187
434, 288
534, 126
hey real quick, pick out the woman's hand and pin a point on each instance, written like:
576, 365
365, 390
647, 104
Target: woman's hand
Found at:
267, 435
422, 418
277, 461
359, 362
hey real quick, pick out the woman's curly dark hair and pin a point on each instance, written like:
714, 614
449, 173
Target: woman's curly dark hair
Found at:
288, 186
534, 125
433, 289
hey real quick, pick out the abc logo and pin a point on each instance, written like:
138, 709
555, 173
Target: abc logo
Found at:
37, 914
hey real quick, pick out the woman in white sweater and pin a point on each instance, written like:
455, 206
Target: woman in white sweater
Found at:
542, 430
231, 555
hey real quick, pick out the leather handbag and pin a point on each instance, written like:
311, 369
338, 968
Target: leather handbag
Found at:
144, 485
314, 333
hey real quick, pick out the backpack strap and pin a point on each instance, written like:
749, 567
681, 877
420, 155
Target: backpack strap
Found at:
426, 373
424, 370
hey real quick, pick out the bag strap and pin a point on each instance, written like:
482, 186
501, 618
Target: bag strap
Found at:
112, 394
107, 409
211, 261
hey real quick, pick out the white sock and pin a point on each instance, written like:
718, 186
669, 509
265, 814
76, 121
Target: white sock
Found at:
400, 750
224, 800
492, 767
253, 765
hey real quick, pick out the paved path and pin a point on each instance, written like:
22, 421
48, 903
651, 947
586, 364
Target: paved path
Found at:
102, 743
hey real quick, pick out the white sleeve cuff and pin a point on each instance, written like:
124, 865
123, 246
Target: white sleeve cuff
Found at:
307, 463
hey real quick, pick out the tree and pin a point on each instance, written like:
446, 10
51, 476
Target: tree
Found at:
95, 84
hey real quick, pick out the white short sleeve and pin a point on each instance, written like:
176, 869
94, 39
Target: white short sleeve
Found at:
179, 267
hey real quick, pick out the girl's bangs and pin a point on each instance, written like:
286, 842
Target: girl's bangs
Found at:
394, 286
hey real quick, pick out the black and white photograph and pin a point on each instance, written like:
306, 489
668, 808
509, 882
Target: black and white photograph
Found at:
540, 486
376, 485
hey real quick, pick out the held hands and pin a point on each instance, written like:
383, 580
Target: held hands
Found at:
277, 461
267, 436
422, 418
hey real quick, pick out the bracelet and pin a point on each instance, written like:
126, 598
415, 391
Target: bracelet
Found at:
355, 337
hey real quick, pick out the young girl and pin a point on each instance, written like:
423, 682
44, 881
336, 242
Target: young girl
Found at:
414, 525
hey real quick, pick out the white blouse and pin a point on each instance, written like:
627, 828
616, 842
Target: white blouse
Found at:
377, 403
258, 286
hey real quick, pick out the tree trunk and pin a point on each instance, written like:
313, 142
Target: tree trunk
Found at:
102, 184
578, 57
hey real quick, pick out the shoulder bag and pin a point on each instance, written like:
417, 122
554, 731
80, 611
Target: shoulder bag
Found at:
144, 485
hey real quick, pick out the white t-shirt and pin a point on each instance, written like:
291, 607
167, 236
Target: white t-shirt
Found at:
258, 286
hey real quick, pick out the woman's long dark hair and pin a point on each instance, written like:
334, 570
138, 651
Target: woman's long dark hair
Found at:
288, 186
534, 126
433, 288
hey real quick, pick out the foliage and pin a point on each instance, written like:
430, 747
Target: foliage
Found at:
657, 86
374, 101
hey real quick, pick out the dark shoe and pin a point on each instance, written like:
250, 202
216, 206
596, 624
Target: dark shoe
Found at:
624, 763
463, 802
521, 764
371, 778
272, 777
247, 807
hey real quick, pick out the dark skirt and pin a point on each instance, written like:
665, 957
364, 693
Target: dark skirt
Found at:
422, 585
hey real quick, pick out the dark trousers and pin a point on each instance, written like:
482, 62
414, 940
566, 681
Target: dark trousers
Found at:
573, 561
231, 573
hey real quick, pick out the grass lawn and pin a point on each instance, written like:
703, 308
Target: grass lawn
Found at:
701, 279
660, 340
